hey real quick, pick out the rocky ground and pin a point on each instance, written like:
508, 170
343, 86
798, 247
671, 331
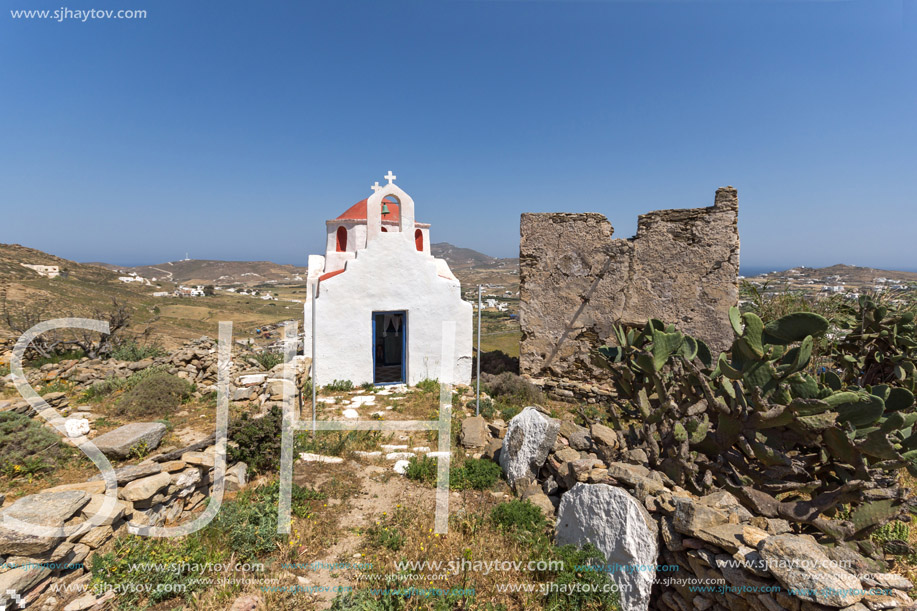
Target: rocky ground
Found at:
364, 512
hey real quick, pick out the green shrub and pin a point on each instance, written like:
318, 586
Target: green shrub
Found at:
421, 469
428, 386
256, 441
519, 516
266, 360
892, 531
112, 384
158, 394
582, 572
512, 389
27, 447
339, 386
337, 443
132, 351
69, 355
475, 473
248, 525
364, 600
389, 537
177, 556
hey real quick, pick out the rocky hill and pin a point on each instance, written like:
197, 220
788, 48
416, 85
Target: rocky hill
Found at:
205, 271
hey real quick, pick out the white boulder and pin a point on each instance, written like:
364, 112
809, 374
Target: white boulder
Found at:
528, 441
613, 521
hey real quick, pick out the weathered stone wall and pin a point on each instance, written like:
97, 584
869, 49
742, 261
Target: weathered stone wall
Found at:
577, 282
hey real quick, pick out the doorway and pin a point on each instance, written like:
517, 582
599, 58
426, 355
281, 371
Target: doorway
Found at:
390, 331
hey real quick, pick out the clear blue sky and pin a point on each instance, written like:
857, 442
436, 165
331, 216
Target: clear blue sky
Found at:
232, 130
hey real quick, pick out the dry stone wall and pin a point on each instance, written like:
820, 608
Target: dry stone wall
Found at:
577, 282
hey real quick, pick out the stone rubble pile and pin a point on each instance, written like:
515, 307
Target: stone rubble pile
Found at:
196, 362
160, 491
667, 548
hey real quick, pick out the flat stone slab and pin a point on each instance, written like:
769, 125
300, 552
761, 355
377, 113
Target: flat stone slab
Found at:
399, 455
145, 488
120, 441
309, 457
132, 472
48, 509
367, 455
799, 564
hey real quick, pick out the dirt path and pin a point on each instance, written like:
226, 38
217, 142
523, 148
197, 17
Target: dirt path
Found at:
379, 492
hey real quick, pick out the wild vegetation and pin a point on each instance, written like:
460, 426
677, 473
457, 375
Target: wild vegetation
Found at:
28, 448
765, 422
156, 395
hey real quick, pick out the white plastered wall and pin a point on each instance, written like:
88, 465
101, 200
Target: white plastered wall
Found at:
389, 274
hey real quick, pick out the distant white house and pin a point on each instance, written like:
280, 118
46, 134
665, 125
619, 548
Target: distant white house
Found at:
47, 271
162, 294
133, 277
187, 291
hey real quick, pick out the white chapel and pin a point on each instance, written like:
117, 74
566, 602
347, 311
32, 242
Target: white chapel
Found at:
382, 298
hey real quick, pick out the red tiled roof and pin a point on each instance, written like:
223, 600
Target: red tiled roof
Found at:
357, 212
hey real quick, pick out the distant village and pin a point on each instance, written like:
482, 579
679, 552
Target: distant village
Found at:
847, 281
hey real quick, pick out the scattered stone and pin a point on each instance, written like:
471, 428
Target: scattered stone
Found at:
542, 502
529, 438
604, 436
130, 473
203, 459
76, 427
493, 447
309, 457
186, 480
236, 477
20, 580
691, 516
800, 564
143, 489
399, 456
616, 523
367, 455
47, 509
172, 466
95, 504
86, 601
888, 580
401, 467
120, 441
247, 602
474, 432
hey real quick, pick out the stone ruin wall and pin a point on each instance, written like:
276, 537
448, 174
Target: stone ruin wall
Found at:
577, 282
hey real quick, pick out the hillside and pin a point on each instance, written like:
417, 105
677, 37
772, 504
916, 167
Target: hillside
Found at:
204, 271
84, 290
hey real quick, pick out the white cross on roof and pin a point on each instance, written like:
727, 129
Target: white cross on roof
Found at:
389, 177
375, 187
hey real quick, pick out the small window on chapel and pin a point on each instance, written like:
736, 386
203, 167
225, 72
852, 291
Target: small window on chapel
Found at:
418, 239
342, 239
